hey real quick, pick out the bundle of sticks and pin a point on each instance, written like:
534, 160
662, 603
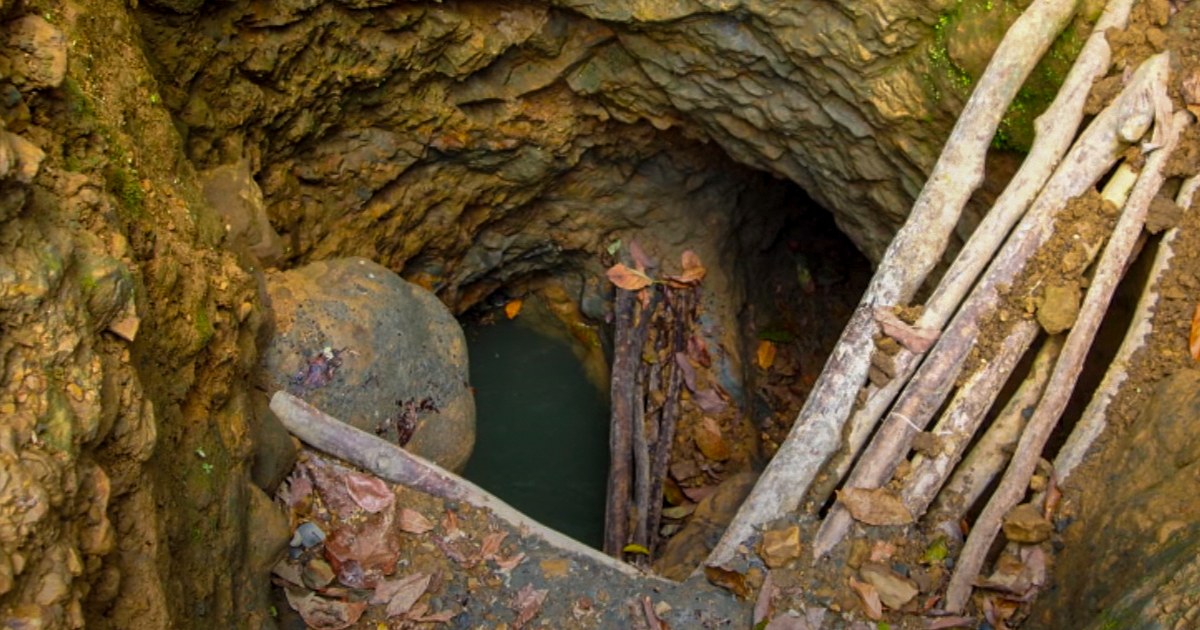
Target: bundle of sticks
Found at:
643, 420
840, 434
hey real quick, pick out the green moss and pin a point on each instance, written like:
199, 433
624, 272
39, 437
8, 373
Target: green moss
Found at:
204, 327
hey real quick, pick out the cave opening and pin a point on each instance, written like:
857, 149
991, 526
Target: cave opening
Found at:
779, 273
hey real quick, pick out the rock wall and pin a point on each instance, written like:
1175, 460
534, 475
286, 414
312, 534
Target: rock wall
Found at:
128, 334
374, 127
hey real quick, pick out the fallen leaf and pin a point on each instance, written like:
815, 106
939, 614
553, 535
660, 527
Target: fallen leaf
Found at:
693, 271
321, 613
508, 564
762, 606
632, 548
628, 279
527, 604
1194, 335
651, 616
413, 522
513, 307
766, 354
370, 493
490, 549
401, 594
699, 494
709, 401
790, 621
640, 259
613, 247
125, 328
698, 351
916, 340
870, 599
679, 512
299, 489
874, 507
363, 552
686, 369
731, 581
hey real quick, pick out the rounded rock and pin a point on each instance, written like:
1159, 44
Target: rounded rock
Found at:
364, 346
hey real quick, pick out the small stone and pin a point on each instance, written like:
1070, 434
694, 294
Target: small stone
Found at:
894, 589
125, 328
307, 535
1059, 308
780, 546
317, 574
860, 551
1025, 524
710, 441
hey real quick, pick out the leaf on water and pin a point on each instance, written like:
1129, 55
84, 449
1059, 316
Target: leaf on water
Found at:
766, 354
628, 279
686, 369
731, 581
872, 605
875, 507
641, 260
527, 604
916, 340
631, 548
413, 522
325, 614
693, 271
513, 307
709, 401
1194, 335
370, 493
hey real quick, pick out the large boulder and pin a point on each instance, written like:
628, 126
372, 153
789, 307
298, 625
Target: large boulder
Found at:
379, 353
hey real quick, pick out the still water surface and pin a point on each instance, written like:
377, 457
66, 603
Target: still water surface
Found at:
542, 429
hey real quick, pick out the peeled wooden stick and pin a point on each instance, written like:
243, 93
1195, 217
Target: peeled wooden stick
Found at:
966, 411
1054, 130
914, 251
1122, 122
643, 493
394, 464
626, 356
987, 460
1094, 419
1058, 390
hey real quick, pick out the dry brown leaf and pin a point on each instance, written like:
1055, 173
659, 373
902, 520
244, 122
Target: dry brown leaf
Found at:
628, 279
693, 271
401, 594
686, 370
699, 494
915, 339
950, 622
325, 614
872, 606
510, 563
527, 604
513, 307
443, 616
709, 401
710, 441
490, 549
1194, 335
651, 617
766, 354
413, 522
370, 493
875, 507
762, 606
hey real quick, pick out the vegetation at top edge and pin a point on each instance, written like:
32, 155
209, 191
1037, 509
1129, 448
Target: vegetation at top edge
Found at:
1015, 132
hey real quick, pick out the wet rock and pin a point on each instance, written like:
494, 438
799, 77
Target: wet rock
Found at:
688, 548
780, 546
1025, 524
107, 287
20, 159
1059, 307
232, 191
37, 51
275, 451
894, 589
358, 342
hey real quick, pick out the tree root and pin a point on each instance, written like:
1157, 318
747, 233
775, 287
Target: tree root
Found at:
1093, 421
1062, 381
917, 247
392, 463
